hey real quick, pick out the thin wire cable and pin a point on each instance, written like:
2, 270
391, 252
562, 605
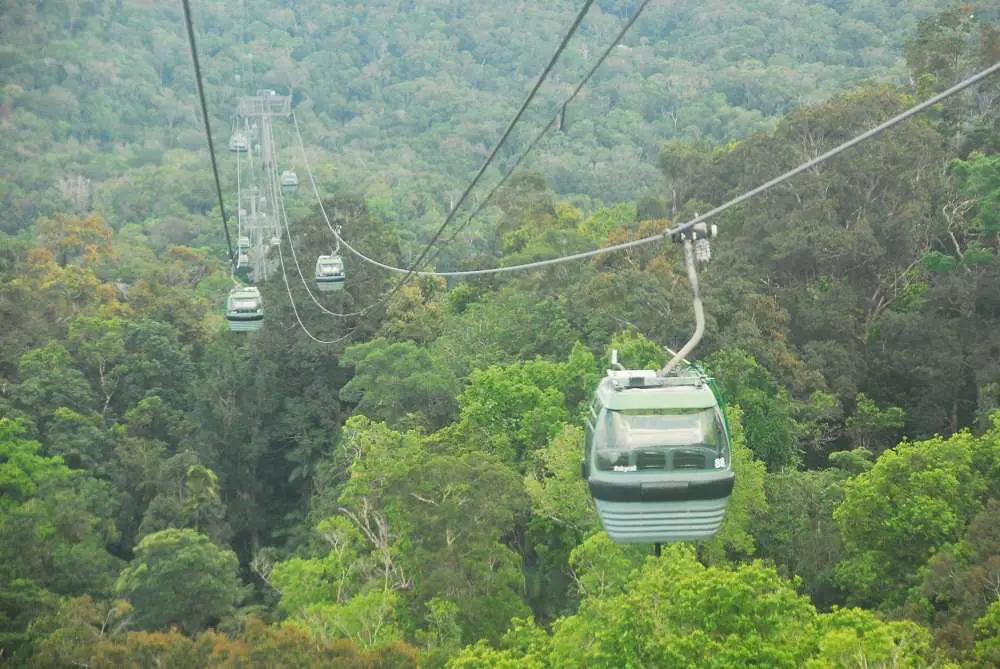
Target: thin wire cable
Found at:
243, 43
329, 224
496, 149
295, 258
288, 289
560, 115
669, 232
326, 217
271, 171
239, 197
208, 127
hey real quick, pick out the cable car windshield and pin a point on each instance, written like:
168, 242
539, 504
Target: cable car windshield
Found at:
245, 304
664, 439
331, 269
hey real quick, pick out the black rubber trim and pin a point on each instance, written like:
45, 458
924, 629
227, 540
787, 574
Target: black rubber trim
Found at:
667, 491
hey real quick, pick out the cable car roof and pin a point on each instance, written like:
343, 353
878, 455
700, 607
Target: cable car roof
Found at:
643, 389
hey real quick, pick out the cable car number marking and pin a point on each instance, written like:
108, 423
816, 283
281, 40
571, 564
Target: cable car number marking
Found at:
626, 468
720, 463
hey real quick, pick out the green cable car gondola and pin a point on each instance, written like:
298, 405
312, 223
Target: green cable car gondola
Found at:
289, 181
330, 273
245, 309
238, 143
657, 455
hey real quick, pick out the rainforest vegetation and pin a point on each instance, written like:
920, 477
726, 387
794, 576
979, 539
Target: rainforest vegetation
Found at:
176, 495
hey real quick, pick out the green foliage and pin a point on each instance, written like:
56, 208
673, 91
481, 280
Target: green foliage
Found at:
432, 522
367, 619
22, 469
955, 591
449, 506
68, 636
49, 382
187, 496
854, 637
53, 530
511, 411
402, 384
557, 491
676, 611
602, 568
635, 351
798, 531
179, 577
748, 501
917, 498
767, 408
871, 428
987, 651
979, 178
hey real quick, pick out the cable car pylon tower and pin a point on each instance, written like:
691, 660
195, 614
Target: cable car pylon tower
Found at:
259, 218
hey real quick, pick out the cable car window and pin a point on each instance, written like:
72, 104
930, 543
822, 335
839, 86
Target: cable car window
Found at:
330, 269
660, 439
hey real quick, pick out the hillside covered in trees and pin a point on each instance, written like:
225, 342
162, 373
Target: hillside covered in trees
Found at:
174, 494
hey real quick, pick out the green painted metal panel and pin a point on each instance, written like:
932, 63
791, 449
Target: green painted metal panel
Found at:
661, 522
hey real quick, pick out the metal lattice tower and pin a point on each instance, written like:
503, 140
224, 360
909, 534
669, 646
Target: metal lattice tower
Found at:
259, 215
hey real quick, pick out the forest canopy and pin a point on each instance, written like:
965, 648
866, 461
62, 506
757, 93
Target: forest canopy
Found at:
176, 494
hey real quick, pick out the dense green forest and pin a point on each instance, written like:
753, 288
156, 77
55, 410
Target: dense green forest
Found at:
176, 495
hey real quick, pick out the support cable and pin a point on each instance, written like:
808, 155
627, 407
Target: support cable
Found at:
288, 233
278, 205
291, 300
496, 149
670, 232
208, 127
558, 119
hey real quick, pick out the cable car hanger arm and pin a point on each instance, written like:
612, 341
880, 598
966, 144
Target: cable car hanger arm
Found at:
699, 311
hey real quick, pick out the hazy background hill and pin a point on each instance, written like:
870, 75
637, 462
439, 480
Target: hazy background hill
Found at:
404, 98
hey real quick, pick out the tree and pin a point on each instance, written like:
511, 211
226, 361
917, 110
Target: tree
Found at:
987, 650
179, 577
917, 499
959, 583
767, 408
68, 636
74, 239
870, 427
187, 497
54, 531
433, 521
557, 491
747, 502
798, 531
511, 411
673, 611
402, 383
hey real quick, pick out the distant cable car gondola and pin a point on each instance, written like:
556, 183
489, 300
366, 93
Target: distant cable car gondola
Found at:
657, 455
245, 309
239, 143
243, 250
330, 273
289, 181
